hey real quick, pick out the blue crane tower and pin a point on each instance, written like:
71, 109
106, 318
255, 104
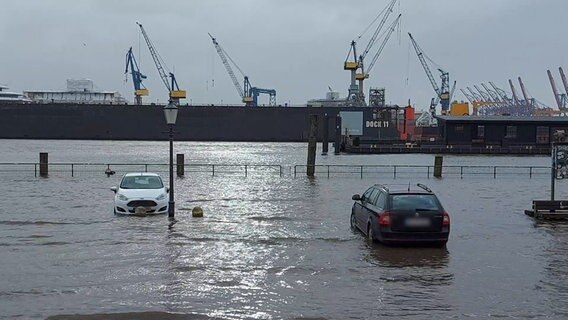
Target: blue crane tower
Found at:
248, 93
137, 77
443, 95
175, 94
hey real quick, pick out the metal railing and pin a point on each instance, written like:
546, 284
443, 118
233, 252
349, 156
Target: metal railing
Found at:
402, 171
74, 169
246, 170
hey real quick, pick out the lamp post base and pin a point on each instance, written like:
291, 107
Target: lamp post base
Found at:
171, 209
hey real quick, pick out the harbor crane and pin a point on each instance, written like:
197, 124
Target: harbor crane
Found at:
137, 77
443, 95
248, 93
169, 79
355, 96
561, 99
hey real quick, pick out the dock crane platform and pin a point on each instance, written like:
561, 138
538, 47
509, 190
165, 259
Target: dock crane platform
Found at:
248, 93
443, 95
169, 79
356, 95
137, 77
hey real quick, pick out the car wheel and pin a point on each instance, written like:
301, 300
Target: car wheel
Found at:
353, 222
370, 234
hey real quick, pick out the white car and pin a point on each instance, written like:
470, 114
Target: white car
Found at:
141, 194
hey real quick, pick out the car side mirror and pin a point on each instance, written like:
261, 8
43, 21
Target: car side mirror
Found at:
114, 189
168, 189
356, 197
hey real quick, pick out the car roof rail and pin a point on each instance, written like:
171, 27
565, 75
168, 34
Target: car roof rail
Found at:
422, 186
382, 186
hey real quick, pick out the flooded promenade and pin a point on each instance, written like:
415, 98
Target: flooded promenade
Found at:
270, 246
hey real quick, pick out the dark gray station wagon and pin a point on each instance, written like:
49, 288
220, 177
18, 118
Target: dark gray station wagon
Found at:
409, 215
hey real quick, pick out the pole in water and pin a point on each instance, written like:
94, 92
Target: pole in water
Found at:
337, 142
312, 145
325, 138
43, 164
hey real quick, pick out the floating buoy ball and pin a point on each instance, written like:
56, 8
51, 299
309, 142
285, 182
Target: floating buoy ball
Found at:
197, 212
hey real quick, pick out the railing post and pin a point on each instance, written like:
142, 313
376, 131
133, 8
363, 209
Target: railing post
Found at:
328, 171
72, 173
294, 171
394, 172
213, 169
494, 172
428, 174
361, 172
530, 172
35, 170
145, 168
246, 171
461, 172
280, 168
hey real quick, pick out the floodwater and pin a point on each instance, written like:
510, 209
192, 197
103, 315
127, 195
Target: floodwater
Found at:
269, 246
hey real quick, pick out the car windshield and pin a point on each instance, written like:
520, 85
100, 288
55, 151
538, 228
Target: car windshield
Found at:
414, 202
141, 182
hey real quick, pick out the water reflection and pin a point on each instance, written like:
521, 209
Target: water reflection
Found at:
386, 256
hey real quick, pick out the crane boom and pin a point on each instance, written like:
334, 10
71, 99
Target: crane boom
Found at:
563, 76
525, 94
156, 58
383, 44
554, 89
137, 77
223, 55
378, 30
420, 54
514, 93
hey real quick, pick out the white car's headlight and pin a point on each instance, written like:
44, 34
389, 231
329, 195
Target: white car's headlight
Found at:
161, 197
122, 197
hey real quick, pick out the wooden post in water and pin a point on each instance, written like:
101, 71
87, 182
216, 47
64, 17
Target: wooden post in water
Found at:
337, 142
312, 146
438, 164
43, 164
325, 139
180, 163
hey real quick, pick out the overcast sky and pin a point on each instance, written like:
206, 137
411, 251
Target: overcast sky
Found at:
294, 46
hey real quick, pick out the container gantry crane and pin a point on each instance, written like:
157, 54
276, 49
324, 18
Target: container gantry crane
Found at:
137, 77
355, 96
248, 93
169, 79
443, 92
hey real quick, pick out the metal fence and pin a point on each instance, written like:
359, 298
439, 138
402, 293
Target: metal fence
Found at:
405, 171
329, 171
77, 169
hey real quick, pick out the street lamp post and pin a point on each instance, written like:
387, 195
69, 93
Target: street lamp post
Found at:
170, 112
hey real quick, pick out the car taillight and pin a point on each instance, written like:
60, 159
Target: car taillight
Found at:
446, 219
385, 219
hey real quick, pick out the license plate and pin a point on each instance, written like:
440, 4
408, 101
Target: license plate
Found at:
417, 222
140, 210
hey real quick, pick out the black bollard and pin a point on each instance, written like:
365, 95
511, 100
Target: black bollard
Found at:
312, 146
337, 143
438, 165
43, 164
325, 139
180, 164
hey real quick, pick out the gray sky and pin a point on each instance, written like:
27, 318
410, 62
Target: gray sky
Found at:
294, 46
